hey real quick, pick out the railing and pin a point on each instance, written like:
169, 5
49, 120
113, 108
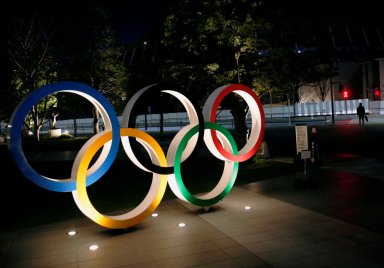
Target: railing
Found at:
316, 113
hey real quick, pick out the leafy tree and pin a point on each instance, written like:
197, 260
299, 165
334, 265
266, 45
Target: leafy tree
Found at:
211, 43
90, 44
84, 48
32, 64
107, 71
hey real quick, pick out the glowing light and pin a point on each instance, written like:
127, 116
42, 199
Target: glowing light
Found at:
93, 247
72, 233
182, 224
345, 93
154, 215
247, 207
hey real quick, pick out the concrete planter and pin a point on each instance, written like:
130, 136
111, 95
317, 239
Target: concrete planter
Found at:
54, 133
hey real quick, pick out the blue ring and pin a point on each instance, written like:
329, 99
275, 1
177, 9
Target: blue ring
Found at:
17, 121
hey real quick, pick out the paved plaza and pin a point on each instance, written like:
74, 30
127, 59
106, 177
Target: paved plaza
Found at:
339, 222
278, 230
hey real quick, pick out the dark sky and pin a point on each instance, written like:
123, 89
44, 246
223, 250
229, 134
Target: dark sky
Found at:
137, 16
367, 10
133, 18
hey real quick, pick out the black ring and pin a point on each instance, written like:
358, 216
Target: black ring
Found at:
136, 146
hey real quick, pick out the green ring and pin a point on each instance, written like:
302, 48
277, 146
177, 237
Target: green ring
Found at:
177, 166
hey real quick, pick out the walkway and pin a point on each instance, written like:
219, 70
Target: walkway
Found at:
279, 230
338, 223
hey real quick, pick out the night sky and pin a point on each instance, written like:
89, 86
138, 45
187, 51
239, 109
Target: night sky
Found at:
133, 18
334, 10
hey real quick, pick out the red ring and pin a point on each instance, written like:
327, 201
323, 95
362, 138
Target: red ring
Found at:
212, 118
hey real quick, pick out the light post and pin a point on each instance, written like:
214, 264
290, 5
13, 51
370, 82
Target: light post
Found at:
161, 117
332, 102
145, 119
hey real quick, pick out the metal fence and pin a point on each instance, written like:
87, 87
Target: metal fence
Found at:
320, 113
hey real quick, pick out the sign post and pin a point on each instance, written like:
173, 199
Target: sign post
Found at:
301, 138
302, 149
305, 154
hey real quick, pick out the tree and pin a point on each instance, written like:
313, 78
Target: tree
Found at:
107, 71
322, 85
30, 57
212, 43
90, 44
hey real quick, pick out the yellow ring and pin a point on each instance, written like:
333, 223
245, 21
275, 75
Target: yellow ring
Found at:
150, 202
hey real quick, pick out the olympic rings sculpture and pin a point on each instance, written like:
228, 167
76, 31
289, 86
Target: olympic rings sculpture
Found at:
166, 168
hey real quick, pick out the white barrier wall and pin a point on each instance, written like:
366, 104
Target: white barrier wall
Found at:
300, 109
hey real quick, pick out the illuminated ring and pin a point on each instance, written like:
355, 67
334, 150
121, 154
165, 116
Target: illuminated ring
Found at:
150, 202
258, 121
218, 140
195, 118
106, 157
228, 177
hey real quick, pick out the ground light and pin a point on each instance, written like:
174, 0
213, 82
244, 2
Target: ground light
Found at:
72, 233
154, 215
247, 207
182, 224
93, 247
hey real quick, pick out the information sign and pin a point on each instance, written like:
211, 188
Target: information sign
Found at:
301, 138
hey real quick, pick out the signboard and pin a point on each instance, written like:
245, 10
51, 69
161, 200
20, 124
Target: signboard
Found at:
301, 138
305, 154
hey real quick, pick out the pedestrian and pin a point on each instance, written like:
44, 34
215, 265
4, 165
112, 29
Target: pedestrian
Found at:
361, 113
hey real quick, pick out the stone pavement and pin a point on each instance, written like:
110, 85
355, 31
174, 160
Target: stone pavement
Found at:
337, 223
284, 227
